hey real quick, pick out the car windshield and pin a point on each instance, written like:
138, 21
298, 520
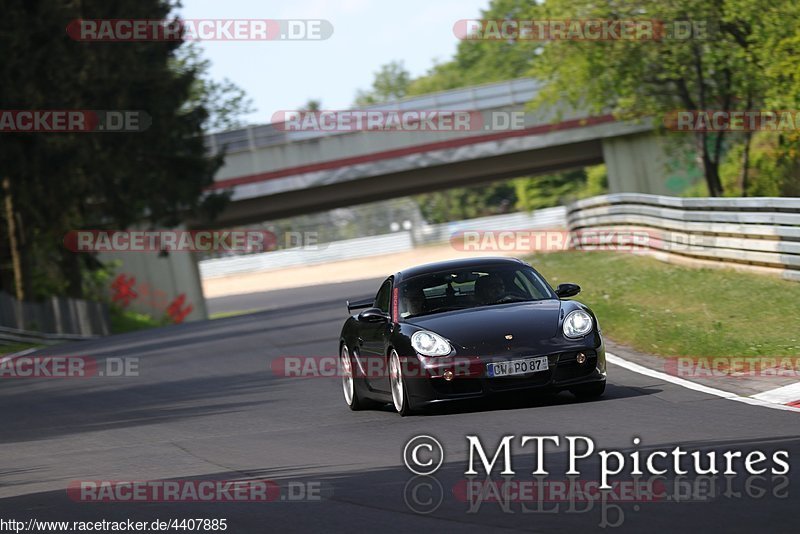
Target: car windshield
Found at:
472, 287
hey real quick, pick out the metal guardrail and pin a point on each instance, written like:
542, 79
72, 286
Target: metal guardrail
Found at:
746, 233
323, 253
550, 218
12, 335
55, 319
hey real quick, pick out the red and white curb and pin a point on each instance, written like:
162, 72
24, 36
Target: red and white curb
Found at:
783, 398
787, 395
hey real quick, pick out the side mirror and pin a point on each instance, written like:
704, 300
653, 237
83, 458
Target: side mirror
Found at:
372, 315
567, 290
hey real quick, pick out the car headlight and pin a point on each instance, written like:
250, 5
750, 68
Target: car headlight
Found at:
577, 324
430, 344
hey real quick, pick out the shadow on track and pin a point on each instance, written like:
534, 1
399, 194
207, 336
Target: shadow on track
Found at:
520, 401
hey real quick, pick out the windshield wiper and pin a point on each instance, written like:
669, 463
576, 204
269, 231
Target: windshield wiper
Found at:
511, 298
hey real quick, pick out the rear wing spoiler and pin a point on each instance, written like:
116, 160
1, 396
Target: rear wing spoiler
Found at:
359, 304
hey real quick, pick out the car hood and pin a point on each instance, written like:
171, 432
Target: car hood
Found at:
483, 330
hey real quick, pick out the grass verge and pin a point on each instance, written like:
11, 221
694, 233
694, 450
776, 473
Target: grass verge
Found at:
129, 321
669, 310
17, 347
223, 315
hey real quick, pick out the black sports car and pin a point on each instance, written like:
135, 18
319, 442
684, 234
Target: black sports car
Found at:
468, 328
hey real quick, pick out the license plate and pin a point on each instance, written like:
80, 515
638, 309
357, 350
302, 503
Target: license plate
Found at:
517, 367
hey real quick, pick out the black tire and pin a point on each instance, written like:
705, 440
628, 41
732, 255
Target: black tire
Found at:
589, 391
359, 404
351, 396
403, 407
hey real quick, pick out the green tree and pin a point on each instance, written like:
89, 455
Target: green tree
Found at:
69, 181
390, 83
467, 202
549, 190
483, 61
773, 170
225, 103
312, 105
634, 78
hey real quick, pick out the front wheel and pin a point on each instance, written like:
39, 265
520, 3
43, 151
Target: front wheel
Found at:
589, 391
349, 382
397, 385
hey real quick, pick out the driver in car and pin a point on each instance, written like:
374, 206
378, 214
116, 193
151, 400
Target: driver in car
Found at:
489, 289
413, 300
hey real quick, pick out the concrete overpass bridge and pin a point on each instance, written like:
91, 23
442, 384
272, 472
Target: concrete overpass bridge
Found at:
276, 173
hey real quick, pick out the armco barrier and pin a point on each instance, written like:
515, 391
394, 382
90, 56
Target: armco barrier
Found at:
55, 319
761, 234
323, 253
550, 218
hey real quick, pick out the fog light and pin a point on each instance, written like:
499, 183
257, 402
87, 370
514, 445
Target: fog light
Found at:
581, 357
448, 375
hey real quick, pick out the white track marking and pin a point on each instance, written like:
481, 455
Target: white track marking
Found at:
782, 395
25, 352
636, 368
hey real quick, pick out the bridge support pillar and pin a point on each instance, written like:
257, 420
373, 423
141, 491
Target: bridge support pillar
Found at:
163, 286
636, 163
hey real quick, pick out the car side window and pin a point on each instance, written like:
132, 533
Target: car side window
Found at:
384, 296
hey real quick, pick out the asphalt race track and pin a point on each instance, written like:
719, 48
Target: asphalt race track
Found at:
207, 405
